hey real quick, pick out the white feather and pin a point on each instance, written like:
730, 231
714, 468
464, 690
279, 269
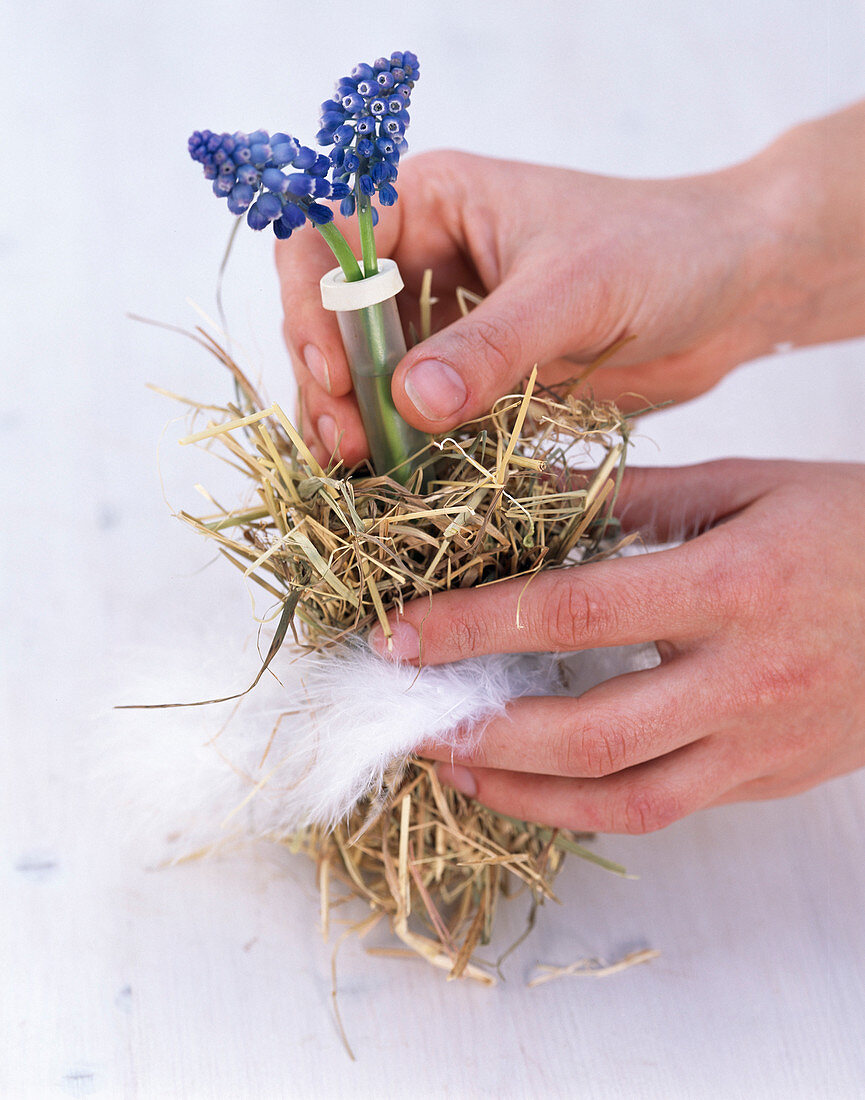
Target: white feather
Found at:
305, 750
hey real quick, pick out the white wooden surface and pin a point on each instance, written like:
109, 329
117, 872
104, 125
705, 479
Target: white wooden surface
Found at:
210, 980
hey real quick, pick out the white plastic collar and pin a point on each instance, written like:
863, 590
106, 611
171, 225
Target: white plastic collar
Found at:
343, 297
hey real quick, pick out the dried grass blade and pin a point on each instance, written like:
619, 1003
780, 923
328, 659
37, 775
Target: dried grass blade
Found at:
321, 566
469, 943
297, 441
593, 968
502, 468
227, 426
572, 535
403, 872
426, 302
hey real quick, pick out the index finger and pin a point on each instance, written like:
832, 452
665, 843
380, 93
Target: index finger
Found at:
669, 595
311, 333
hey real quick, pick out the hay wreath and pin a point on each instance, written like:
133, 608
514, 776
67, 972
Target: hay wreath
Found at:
529, 487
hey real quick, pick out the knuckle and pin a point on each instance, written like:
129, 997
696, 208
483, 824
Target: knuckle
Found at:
592, 750
774, 681
646, 809
433, 162
567, 756
464, 634
736, 582
574, 614
435, 179
716, 589
604, 754
496, 343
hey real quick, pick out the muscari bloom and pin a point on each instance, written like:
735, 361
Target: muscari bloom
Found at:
365, 121
252, 172
276, 181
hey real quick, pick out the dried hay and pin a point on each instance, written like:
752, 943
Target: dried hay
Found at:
529, 487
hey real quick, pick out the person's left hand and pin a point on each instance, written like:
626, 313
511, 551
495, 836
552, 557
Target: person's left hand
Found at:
760, 623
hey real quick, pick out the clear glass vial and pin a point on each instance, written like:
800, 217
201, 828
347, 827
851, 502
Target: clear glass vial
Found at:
369, 323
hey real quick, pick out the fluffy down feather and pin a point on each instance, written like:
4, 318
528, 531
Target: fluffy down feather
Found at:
305, 750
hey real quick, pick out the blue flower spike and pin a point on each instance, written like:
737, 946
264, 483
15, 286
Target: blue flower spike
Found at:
274, 180
243, 166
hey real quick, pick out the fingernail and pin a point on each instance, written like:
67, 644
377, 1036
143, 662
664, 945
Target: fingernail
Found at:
404, 643
458, 777
435, 389
316, 364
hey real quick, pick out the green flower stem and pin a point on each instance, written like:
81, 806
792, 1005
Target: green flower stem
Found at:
392, 441
374, 345
367, 236
344, 255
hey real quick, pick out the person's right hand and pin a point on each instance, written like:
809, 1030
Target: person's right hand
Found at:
704, 272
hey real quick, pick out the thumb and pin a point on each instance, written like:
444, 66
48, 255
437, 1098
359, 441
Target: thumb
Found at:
459, 373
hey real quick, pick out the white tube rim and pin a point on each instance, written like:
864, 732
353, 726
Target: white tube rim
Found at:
342, 297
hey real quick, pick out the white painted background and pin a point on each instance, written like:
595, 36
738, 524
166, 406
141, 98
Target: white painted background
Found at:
210, 980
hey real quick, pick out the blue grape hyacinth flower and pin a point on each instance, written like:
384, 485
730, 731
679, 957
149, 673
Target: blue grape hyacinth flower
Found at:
365, 121
247, 171
275, 181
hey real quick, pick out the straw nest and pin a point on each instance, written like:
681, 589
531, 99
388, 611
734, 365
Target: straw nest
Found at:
529, 487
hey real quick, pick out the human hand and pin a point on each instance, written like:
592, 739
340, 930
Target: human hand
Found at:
705, 272
760, 623
666, 260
